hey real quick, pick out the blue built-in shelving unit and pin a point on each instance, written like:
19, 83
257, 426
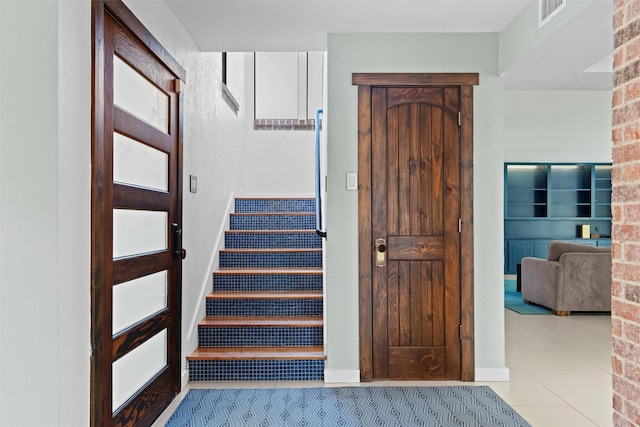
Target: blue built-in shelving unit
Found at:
551, 201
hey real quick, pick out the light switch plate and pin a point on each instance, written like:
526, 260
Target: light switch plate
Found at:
352, 181
193, 183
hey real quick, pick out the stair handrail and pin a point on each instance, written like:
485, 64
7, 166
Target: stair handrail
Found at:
319, 230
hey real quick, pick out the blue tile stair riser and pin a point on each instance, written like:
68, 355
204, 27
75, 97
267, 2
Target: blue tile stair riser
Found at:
259, 336
267, 282
272, 240
256, 370
273, 222
266, 307
274, 205
307, 259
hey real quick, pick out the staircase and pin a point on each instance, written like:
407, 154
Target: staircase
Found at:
264, 317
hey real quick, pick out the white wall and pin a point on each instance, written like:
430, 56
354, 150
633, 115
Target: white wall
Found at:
29, 273
522, 34
349, 53
557, 126
278, 163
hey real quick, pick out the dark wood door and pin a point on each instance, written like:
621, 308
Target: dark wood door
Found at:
415, 249
416, 207
136, 220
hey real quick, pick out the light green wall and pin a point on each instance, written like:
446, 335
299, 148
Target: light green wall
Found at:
28, 212
522, 35
74, 211
557, 126
350, 53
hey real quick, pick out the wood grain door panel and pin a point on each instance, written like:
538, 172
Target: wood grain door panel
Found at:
413, 187
424, 95
415, 248
414, 154
408, 363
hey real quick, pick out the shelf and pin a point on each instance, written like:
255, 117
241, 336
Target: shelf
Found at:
527, 197
557, 191
527, 177
556, 219
603, 172
547, 201
527, 211
570, 177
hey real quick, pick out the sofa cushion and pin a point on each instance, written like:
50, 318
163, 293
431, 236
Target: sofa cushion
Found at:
556, 249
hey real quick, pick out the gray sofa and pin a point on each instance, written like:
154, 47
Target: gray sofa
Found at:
572, 278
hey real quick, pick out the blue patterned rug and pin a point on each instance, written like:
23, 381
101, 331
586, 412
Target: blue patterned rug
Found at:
513, 301
347, 406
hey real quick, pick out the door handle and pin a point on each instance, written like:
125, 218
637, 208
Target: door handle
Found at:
178, 251
381, 252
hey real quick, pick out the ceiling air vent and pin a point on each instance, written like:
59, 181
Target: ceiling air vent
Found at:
549, 9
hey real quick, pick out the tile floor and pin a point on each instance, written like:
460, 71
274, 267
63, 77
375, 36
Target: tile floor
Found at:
560, 371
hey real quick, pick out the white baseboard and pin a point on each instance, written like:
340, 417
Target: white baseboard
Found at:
341, 376
184, 379
501, 374
353, 376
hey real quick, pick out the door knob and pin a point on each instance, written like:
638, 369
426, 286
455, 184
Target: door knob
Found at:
381, 252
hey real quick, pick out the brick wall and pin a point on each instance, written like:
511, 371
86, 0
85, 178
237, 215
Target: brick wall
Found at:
625, 287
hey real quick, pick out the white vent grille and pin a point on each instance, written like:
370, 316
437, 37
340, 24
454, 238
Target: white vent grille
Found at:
549, 9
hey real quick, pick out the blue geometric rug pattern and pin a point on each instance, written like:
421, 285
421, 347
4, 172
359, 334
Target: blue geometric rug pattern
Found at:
513, 301
346, 406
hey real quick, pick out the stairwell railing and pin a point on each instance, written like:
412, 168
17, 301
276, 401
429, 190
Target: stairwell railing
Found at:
319, 227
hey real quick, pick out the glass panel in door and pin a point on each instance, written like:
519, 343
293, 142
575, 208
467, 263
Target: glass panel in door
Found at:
137, 299
138, 164
138, 232
137, 95
135, 369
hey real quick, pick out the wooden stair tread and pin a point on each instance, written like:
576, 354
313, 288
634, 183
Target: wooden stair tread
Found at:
310, 231
265, 295
271, 250
293, 270
265, 269
258, 353
273, 198
240, 214
314, 321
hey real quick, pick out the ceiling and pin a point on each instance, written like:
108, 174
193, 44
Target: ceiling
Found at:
303, 25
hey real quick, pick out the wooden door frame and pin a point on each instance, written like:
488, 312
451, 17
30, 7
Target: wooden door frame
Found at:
465, 81
101, 202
